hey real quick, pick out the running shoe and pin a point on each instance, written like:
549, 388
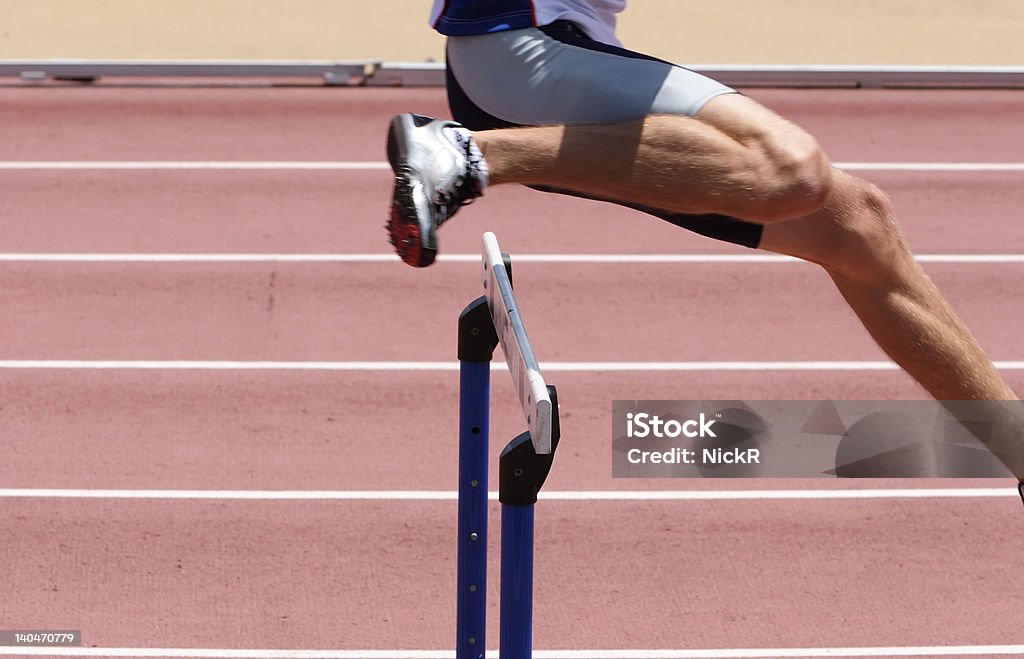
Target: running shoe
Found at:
438, 169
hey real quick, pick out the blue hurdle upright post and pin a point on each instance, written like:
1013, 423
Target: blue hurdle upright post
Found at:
477, 341
521, 473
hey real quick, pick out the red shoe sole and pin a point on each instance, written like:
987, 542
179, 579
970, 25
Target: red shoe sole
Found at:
405, 236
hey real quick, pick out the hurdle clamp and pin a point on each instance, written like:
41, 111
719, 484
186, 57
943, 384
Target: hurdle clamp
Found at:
521, 474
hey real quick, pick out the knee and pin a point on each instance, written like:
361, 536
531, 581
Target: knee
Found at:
794, 178
862, 238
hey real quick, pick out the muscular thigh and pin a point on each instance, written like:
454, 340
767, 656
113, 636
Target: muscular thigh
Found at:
749, 122
557, 75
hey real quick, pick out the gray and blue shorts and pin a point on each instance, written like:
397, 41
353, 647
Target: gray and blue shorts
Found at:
556, 74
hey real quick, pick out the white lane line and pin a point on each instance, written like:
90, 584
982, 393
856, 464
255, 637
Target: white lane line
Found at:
932, 166
560, 367
228, 165
578, 496
112, 257
59, 257
373, 165
169, 365
738, 653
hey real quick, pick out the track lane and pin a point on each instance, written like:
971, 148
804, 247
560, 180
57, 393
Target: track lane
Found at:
349, 431
385, 311
650, 576
320, 123
282, 211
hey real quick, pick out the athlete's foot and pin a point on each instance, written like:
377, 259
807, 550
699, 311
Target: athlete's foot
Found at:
438, 168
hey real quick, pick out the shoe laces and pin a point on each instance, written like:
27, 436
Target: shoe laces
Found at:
468, 186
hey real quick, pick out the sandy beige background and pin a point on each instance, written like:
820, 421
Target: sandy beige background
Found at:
979, 32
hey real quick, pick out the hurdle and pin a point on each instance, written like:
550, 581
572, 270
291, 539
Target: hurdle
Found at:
491, 320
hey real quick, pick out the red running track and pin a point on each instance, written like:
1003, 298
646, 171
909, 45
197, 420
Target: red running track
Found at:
379, 574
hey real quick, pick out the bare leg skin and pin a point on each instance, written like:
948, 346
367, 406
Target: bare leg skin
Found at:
740, 159
750, 163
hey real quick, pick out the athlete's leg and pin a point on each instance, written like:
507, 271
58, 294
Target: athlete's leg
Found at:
852, 233
740, 159
725, 167
737, 158
609, 122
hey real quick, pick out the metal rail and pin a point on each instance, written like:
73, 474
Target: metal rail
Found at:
411, 74
329, 72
